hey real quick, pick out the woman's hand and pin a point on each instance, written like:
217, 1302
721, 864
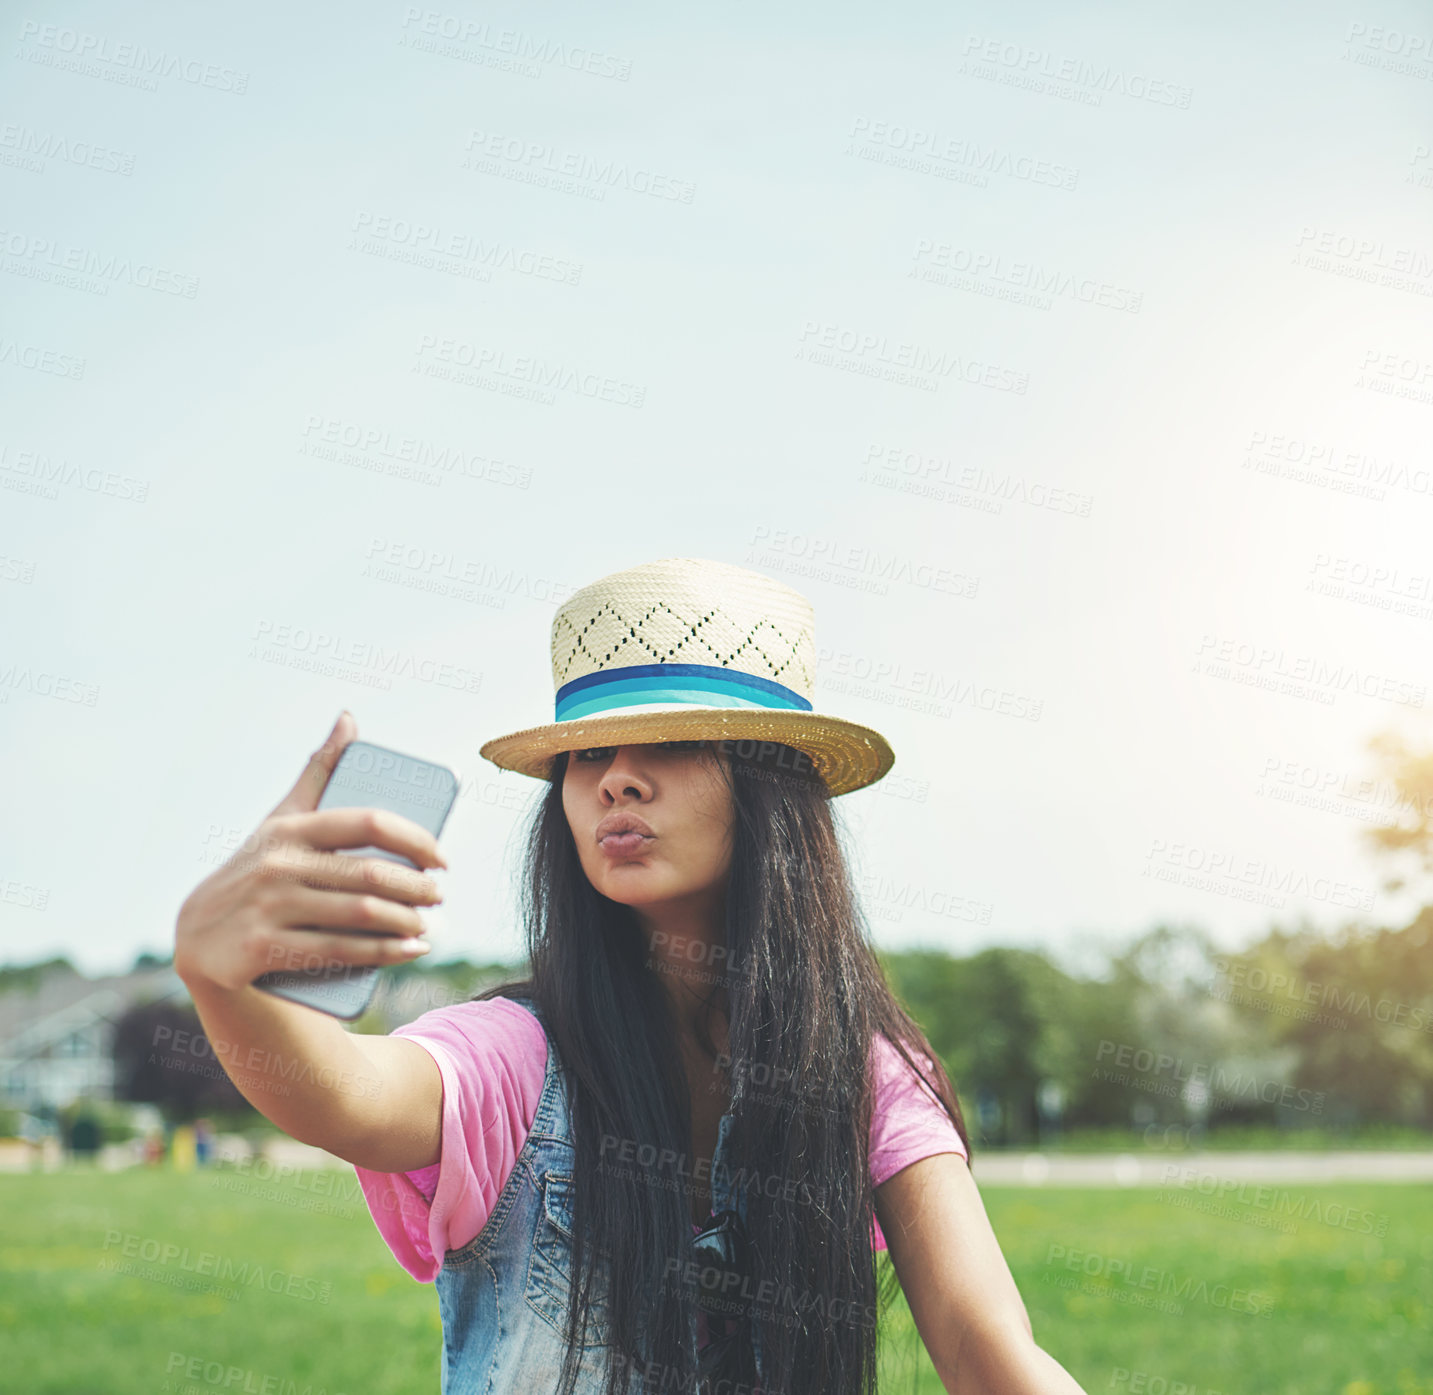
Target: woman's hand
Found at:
248, 917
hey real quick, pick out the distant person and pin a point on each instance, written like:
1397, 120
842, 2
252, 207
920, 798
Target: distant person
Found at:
181, 1148
706, 1083
85, 1138
203, 1141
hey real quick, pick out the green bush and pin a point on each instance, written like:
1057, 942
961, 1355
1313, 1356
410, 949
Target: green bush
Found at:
114, 1119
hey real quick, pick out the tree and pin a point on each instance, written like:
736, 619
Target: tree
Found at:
1406, 789
162, 1057
1358, 1009
29, 976
998, 1021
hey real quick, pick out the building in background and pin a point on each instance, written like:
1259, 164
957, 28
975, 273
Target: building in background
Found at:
57, 1033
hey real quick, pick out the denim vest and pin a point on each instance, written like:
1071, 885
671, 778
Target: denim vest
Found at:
503, 1296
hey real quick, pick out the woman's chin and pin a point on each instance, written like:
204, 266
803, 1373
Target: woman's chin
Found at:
634, 885
631, 895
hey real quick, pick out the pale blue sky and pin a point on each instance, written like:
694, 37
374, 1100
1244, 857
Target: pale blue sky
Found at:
1245, 186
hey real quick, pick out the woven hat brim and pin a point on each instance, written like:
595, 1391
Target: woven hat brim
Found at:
846, 755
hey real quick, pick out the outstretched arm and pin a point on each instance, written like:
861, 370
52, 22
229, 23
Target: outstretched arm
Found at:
961, 1292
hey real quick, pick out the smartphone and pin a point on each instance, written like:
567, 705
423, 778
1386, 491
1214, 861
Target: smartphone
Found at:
367, 777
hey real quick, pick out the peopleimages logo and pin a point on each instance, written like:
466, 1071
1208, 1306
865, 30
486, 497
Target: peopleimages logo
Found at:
40, 359
58, 46
238, 1379
948, 157
899, 466
1268, 666
880, 357
27, 142
1276, 1201
1098, 78
452, 250
519, 49
207, 1262
1026, 276
1221, 1083
43, 259
1214, 869
1115, 1272
488, 151
667, 1168
1342, 1001
523, 370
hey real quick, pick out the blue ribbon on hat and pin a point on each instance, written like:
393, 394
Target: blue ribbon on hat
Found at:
701, 685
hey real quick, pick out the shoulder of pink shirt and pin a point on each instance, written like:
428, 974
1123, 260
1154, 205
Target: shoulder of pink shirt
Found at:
492, 1056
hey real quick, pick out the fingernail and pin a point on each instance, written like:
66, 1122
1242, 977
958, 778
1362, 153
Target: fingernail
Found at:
415, 946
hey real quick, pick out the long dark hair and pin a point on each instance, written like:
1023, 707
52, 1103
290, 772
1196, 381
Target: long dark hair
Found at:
804, 996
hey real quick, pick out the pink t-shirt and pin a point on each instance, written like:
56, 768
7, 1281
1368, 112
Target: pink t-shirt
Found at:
492, 1056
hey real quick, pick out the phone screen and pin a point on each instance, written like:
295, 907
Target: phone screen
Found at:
368, 777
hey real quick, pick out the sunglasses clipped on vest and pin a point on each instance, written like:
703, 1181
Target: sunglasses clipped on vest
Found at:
722, 1252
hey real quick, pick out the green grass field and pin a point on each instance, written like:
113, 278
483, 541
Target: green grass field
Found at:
1294, 1293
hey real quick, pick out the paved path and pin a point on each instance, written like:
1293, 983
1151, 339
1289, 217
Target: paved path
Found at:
282, 1151
1153, 1169
1150, 1169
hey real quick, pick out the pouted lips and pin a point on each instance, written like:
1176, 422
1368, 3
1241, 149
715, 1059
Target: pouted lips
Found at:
621, 835
623, 844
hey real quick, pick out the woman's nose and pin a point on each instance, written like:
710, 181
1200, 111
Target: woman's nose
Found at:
624, 775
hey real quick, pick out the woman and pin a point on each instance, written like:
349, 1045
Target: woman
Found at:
664, 1160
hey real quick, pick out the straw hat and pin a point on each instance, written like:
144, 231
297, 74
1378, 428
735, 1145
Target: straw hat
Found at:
683, 649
